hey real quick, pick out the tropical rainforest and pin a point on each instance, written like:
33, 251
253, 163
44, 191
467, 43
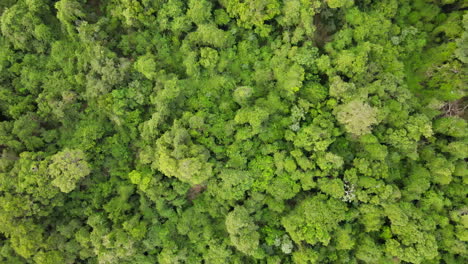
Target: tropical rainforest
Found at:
233, 131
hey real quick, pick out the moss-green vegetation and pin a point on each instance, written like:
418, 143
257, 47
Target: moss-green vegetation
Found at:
233, 131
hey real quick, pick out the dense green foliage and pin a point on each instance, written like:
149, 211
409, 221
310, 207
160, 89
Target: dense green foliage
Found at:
233, 131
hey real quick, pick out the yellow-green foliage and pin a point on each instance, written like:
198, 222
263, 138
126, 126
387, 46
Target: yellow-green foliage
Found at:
233, 131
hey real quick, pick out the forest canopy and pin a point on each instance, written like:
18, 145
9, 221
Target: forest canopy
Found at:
233, 131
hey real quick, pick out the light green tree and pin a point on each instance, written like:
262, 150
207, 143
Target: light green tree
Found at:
67, 167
